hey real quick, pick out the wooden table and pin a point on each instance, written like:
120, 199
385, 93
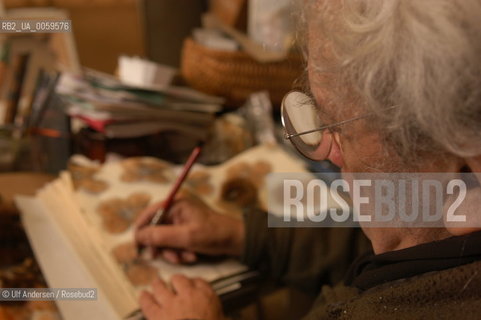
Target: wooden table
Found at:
22, 183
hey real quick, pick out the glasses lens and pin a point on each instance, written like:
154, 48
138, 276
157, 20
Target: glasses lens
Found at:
299, 115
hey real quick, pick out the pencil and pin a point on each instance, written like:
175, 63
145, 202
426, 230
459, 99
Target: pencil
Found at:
159, 216
161, 213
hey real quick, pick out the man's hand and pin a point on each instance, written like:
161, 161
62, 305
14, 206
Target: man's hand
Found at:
193, 228
188, 299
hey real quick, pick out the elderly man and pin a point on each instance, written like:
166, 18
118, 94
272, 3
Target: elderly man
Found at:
413, 67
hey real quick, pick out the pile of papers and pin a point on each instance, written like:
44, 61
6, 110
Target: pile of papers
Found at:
120, 110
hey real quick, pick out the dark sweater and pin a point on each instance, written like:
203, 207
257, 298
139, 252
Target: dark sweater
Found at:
438, 280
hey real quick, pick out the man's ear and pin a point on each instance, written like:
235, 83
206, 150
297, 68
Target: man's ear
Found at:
472, 164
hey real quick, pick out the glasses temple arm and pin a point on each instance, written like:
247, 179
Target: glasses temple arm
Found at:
288, 136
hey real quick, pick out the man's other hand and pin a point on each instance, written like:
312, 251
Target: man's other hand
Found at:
187, 299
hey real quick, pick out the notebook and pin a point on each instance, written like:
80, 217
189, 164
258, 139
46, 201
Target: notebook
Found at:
79, 226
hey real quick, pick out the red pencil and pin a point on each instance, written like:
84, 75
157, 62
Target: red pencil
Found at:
161, 213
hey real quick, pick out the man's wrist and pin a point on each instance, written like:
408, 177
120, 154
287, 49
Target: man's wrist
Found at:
235, 236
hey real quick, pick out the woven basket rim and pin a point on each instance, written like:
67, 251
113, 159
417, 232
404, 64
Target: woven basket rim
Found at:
239, 54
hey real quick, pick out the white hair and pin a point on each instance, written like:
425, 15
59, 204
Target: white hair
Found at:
423, 56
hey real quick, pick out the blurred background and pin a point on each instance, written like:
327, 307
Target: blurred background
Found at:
156, 73
136, 78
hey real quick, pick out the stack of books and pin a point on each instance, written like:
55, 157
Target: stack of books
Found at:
119, 110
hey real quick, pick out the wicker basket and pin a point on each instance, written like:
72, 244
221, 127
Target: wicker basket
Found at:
235, 75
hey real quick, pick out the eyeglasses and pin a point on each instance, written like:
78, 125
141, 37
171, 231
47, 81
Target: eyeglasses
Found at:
304, 128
